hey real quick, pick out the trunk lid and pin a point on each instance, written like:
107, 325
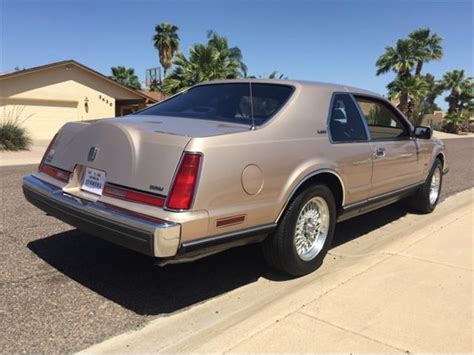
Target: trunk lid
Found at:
132, 153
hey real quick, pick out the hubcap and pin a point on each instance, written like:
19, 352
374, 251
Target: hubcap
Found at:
435, 186
312, 228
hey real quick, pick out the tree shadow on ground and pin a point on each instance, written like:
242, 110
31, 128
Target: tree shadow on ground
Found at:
136, 283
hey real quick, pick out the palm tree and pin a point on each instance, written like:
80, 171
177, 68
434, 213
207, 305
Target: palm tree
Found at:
426, 46
166, 41
460, 99
408, 90
211, 61
455, 81
221, 44
274, 75
400, 59
434, 89
125, 76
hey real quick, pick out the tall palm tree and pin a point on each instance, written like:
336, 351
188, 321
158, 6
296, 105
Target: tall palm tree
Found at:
456, 82
426, 46
408, 90
125, 76
166, 41
400, 59
434, 89
211, 61
221, 44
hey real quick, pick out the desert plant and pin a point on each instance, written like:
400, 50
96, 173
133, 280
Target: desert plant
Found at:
13, 136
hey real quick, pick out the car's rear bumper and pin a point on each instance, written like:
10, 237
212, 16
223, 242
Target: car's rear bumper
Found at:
147, 235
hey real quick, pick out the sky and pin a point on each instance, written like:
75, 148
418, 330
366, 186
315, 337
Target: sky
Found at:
331, 41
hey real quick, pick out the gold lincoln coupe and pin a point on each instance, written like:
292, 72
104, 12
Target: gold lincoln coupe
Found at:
227, 163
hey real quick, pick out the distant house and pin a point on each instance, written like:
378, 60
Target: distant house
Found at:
48, 96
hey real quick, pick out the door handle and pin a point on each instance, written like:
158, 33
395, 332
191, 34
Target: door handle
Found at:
380, 152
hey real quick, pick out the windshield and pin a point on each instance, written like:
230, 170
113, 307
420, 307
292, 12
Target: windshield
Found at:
225, 102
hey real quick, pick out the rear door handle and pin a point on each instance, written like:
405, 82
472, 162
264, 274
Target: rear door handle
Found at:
380, 152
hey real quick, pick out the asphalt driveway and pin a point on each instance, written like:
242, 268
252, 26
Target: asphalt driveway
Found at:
61, 290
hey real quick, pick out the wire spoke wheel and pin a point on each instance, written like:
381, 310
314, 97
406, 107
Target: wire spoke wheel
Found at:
435, 186
312, 226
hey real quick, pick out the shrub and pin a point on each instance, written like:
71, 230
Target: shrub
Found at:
455, 122
13, 136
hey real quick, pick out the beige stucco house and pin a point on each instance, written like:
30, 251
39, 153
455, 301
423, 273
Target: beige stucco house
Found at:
44, 98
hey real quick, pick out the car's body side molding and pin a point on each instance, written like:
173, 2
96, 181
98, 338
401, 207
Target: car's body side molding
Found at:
373, 203
305, 179
197, 249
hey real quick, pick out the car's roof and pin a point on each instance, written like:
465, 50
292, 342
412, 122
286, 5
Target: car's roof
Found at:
298, 83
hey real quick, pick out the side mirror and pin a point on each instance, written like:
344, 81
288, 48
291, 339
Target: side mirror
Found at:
423, 132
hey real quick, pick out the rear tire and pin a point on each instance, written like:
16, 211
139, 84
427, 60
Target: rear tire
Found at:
305, 232
425, 199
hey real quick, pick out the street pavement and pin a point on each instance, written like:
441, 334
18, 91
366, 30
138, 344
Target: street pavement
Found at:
393, 291
63, 291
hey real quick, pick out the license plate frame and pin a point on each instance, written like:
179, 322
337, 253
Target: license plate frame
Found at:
93, 181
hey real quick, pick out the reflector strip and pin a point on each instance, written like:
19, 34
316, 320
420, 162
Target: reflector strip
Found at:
230, 221
133, 196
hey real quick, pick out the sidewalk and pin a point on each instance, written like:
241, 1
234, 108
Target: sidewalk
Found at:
444, 135
406, 286
25, 157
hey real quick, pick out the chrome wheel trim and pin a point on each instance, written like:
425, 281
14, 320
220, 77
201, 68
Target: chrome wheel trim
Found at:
312, 226
435, 186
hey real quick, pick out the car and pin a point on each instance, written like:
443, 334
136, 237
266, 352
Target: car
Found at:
233, 162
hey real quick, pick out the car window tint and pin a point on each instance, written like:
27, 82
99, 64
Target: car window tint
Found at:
225, 102
345, 124
382, 121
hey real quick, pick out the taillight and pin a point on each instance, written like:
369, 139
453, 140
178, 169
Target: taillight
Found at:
185, 181
133, 196
55, 173
45, 155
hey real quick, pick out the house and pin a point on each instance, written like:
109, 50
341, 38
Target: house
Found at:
44, 98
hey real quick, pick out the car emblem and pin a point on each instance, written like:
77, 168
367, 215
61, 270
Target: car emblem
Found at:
92, 153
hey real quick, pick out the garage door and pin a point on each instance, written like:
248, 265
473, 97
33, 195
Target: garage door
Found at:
41, 119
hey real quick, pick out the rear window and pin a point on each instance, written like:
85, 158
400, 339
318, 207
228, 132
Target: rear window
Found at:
226, 102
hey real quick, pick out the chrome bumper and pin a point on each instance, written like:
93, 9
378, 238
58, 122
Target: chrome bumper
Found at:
156, 238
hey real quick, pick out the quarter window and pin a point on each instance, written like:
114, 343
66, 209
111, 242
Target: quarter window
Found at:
345, 123
382, 121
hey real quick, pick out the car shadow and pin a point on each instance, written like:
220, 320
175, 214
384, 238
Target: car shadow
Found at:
136, 283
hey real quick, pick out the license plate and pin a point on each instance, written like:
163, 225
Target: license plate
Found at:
93, 181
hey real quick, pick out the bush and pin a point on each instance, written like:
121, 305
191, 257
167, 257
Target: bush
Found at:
456, 122
13, 136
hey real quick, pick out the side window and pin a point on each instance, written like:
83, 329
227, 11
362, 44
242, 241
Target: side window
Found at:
382, 121
345, 123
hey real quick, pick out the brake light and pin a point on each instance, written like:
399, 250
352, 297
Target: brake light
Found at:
133, 196
45, 155
185, 181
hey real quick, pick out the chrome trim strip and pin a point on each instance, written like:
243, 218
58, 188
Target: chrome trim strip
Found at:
384, 195
166, 235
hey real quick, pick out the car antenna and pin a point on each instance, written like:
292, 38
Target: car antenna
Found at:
252, 127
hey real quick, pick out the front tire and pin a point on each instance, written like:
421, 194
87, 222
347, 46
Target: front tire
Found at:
427, 197
305, 232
